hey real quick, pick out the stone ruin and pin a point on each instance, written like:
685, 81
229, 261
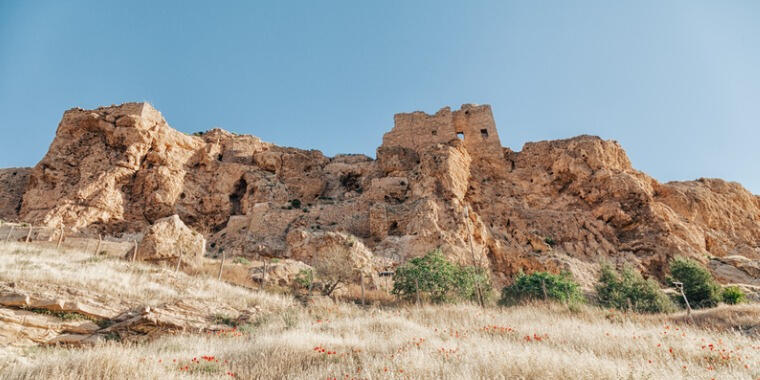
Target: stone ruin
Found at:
473, 124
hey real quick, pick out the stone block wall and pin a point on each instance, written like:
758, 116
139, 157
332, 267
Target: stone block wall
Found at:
473, 124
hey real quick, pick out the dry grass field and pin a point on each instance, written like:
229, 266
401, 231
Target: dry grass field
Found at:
345, 341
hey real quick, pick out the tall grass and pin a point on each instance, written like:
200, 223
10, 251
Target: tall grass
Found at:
327, 340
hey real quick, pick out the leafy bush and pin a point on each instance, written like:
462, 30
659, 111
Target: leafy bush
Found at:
242, 260
431, 274
304, 278
440, 280
733, 295
541, 285
469, 280
698, 284
629, 290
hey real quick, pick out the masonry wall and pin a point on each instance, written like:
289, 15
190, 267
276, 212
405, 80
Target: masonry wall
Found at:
473, 124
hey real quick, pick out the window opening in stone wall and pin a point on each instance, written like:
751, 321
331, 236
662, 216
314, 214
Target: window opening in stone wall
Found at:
484, 133
460, 135
435, 133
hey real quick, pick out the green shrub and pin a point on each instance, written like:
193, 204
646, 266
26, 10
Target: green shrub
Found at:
629, 290
468, 281
304, 278
440, 280
541, 285
698, 284
431, 274
242, 260
733, 295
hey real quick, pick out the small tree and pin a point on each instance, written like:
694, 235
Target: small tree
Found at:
698, 284
629, 290
431, 274
334, 269
542, 285
733, 295
471, 282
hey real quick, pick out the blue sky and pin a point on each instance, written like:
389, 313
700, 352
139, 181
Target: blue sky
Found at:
676, 82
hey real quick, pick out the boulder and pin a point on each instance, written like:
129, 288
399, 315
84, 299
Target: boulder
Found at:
281, 272
168, 238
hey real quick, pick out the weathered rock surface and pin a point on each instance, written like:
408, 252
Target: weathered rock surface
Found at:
563, 204
12, 185
28, 320
167, 239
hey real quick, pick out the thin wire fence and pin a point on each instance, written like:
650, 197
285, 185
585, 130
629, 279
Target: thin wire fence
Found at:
66, 238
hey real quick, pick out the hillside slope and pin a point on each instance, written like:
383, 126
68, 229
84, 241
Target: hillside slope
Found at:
199, 328
70, 297
564, 204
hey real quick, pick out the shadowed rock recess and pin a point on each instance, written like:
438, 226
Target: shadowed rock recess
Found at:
564, 204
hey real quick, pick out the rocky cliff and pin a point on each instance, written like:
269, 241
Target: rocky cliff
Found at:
438, 180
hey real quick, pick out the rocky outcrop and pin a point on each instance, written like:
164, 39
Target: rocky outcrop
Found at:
13, 182
27, 320
280, 273
564, 204
169, 238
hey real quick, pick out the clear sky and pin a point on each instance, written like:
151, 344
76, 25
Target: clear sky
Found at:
676, 82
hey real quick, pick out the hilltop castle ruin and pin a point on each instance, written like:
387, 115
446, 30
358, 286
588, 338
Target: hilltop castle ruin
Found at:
472, 123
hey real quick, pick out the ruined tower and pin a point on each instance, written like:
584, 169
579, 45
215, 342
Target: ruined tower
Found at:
473, 124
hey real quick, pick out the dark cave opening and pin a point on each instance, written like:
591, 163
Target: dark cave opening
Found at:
240, 188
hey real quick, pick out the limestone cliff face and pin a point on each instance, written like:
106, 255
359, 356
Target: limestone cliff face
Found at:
12, 184
439, 180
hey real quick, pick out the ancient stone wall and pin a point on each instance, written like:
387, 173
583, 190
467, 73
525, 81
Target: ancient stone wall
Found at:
473, 124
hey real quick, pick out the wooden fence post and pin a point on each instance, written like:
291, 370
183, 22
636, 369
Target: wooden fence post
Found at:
134, 252
543, 288
100, 241
7, 238
679, 286
60, 239
263, 274
221, 265
311, 281
179, 261
361, 281
29, 235
417, 290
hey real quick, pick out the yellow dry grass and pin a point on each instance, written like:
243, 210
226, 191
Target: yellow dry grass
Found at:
340, 341
30, 265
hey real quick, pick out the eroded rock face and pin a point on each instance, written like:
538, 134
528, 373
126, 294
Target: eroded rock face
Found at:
169, 238
13, 182
564, 204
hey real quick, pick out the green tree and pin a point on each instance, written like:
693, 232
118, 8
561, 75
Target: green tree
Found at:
541, 285
698, 284
471, 282
629, 290
431, 274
